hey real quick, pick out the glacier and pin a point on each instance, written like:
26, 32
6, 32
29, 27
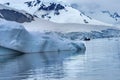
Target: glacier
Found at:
14, 36
73, 31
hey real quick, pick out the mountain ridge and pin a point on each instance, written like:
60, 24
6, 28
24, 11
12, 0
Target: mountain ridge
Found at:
55, 11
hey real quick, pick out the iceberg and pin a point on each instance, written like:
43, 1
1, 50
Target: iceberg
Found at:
14, 36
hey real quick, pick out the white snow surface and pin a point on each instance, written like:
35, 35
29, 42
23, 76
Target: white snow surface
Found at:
43, 25
14, 36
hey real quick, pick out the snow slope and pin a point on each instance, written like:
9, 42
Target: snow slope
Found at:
43, 25
52, 10
15, 36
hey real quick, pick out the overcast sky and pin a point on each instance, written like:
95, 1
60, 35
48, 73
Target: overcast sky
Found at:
92, 4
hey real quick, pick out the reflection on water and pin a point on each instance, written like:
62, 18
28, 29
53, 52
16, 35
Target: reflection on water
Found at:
101, 61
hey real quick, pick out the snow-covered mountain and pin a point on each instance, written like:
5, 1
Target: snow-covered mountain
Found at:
101, 10
14, 15
106, 16
52, 10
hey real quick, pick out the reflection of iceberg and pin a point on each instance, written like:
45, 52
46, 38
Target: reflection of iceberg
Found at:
24, 67
14, 36
6, 54
6, 51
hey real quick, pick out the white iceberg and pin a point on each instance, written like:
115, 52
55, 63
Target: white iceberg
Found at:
14, 36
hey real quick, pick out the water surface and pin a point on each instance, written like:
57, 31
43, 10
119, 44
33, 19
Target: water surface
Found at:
101, 61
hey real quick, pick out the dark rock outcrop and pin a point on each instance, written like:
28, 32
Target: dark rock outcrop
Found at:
13, 15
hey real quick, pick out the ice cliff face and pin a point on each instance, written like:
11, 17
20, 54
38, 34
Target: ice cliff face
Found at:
15, 37
12, 35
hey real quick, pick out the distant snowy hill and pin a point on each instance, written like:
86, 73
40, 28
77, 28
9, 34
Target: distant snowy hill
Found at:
97, 10
52, 10
105, 16
14, 15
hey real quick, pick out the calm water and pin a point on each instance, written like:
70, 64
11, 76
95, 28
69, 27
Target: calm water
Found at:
101, 61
